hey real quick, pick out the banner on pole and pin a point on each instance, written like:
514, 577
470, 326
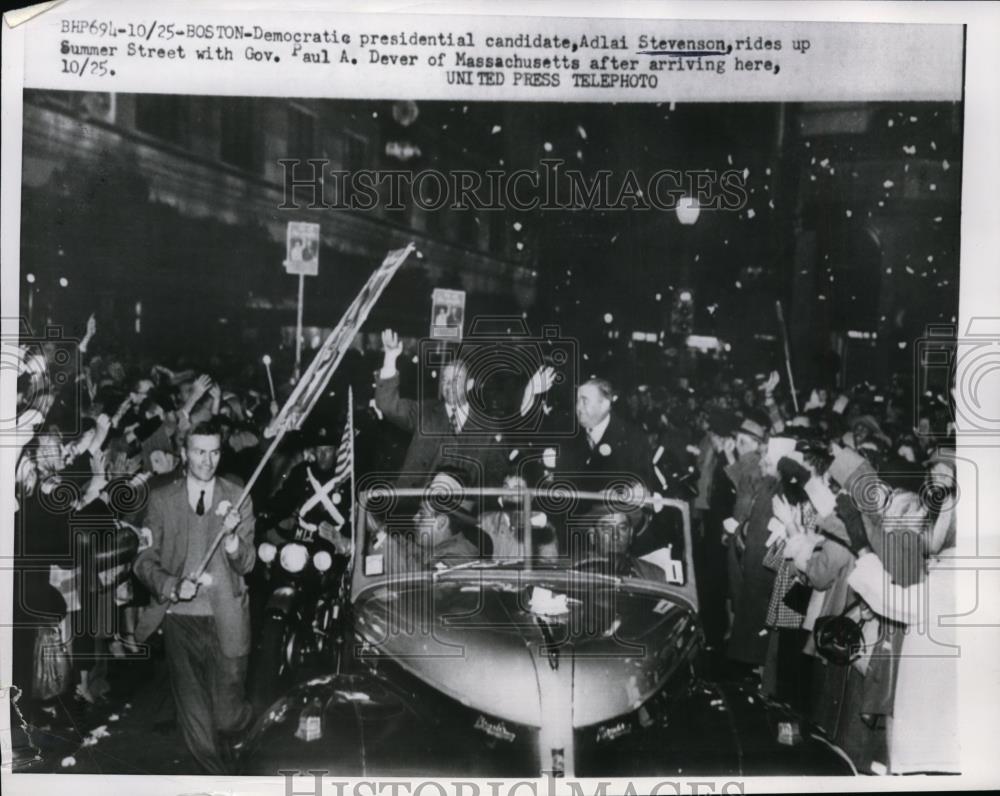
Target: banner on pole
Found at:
447, 314
302, 248
320, 370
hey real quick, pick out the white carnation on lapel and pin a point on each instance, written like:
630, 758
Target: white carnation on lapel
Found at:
223, 508
604, 449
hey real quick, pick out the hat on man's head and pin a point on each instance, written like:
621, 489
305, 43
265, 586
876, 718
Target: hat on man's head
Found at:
898, 473
873, 427
722, 422
752, 428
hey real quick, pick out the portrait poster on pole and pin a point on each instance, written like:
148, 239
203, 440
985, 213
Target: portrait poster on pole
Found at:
447, 314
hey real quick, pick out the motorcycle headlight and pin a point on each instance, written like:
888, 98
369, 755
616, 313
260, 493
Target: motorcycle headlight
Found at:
266, 552
294, 557
322, 560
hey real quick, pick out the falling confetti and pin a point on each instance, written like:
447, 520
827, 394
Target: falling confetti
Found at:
890, 123
581, 132
68, 762
932, 186
910, 150
848, 213
520, 246
517, 227
910, 270
729, 159
945, 165
547, 146
496, 129
750, 212
930, 258
888, 184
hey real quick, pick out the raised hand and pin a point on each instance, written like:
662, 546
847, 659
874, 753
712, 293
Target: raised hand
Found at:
542, 380
391, 343
202, 385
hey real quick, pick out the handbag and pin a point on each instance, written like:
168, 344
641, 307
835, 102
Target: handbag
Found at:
797, 597
839, 639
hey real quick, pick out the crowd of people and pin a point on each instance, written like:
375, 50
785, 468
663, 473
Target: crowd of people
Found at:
817, 530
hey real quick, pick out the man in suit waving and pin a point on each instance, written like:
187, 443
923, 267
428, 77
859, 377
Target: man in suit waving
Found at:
206, 623
445, 432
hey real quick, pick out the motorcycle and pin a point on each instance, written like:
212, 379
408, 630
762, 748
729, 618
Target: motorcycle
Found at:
303, 576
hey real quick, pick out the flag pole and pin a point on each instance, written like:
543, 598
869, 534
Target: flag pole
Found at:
350, 420
788, 354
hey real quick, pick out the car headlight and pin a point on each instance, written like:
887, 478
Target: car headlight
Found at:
322, 560
266, 552
294, 557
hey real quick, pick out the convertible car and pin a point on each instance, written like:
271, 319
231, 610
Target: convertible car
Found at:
517, 632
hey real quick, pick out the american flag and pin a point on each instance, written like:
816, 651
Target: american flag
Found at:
345, 453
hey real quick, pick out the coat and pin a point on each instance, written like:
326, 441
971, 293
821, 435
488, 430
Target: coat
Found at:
748, 640
160, 566
475, 449
923, 736
623, 453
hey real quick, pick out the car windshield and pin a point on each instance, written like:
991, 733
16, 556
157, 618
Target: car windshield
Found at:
443, 530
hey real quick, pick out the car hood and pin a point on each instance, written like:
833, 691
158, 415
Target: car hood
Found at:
505, 646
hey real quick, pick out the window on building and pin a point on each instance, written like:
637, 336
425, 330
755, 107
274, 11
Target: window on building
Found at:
468, 228
498, 231
354, 158
164, 115
302, 134
237, 139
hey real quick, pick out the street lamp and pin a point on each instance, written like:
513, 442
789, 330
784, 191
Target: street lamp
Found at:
688, 210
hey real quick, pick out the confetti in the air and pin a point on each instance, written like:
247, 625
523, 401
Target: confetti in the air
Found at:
848, 213
496, 129
547, 146
910, 150
750, 212
888, 184
581, 132
520, 246
517, 226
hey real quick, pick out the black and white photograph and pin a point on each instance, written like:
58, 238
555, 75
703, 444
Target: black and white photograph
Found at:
476, 437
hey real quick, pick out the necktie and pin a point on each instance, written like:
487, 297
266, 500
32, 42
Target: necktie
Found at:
200, 508
453, 420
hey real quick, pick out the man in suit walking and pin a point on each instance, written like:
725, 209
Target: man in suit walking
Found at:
206, 623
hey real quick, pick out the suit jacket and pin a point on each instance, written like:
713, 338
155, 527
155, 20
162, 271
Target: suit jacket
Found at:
434, 443
623, 451
160, 566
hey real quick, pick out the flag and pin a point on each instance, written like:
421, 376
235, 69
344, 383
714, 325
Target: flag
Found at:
307, 392
345, 453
